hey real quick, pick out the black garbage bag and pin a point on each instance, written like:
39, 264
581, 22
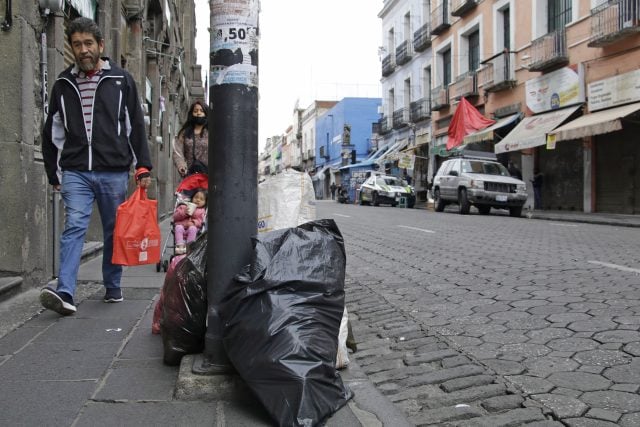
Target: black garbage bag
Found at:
184, 306
282, 319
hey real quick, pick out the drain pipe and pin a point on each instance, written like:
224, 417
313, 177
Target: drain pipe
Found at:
8, 19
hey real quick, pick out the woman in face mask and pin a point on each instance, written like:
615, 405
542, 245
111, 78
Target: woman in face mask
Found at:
191, 146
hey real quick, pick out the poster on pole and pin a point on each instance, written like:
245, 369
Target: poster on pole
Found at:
233, 53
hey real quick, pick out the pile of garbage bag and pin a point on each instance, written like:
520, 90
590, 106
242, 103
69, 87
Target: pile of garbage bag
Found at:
281, 322
182, 307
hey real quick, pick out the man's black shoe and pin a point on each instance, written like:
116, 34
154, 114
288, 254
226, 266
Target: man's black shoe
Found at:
113, 295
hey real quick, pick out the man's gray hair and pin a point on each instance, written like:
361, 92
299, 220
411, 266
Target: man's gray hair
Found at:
84, 25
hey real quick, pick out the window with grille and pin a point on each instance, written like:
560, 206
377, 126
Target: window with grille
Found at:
474, 51
558, 14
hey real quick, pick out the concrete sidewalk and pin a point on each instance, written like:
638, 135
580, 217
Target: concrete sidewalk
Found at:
103, 366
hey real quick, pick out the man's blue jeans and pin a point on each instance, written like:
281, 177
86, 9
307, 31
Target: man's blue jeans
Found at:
79, 191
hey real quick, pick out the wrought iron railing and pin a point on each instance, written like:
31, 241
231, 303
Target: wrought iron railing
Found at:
420, 109
400, 118
440, 19
403, 53
613, 21
460, 7
384, 125
549, 51
388, 65
439, 98
422, 38
464, 86
498, 72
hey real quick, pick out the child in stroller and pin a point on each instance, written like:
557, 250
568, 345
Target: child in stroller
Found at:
188, 218
186, 190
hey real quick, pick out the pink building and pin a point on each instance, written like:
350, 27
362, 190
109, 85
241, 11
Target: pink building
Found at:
562, 80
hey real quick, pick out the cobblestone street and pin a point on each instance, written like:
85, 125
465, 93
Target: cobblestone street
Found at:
488, 320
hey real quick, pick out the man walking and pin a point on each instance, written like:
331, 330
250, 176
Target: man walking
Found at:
93, 133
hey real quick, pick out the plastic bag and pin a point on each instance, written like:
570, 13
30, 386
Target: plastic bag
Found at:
136, 235
285, 200
281, 322
184, 305
157, 311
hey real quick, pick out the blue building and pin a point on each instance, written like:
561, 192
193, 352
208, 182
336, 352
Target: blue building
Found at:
343, 136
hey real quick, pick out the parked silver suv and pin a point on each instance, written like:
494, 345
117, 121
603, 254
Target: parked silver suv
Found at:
478, 181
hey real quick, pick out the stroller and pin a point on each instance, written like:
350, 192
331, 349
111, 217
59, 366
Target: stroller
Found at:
186, 188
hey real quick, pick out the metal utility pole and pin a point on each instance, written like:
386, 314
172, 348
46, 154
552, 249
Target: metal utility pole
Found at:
233, 160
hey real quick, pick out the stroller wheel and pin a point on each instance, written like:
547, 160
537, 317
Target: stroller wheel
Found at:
165, 265
158, 265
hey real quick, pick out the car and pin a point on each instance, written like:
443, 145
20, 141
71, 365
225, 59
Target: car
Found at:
386, 189
479, 181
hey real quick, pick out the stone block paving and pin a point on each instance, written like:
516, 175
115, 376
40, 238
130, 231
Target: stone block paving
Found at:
541, 338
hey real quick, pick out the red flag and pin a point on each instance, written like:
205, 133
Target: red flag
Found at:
467, 119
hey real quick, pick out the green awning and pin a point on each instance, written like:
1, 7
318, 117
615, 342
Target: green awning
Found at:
441, 150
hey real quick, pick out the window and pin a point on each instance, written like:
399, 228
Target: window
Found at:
506, 28
474, 51
558, 14
446, 67
426, 82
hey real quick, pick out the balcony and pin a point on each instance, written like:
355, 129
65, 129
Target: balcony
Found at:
549, 51
384, 125
388, 66
498, 72
614, 21
403, 53
439, 98
460, 7
440, 21
400, 118
465, 86
420, 110
422, 38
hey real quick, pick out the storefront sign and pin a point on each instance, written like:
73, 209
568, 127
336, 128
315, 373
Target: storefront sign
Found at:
555, 90
406, 161
616, 90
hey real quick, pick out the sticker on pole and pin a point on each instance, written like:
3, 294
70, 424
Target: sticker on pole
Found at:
233, 55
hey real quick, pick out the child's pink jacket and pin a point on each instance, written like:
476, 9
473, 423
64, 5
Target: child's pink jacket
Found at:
180, 217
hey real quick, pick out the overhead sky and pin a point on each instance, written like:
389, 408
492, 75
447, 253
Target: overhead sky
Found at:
308, 50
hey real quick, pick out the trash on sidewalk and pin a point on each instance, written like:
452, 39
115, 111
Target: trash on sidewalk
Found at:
285, 200
282, 320
288, 200
184, 304
157, 311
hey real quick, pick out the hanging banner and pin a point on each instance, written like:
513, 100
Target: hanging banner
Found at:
234, 42
406, 161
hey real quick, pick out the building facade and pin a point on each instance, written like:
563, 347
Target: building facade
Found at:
153, 40
547, 63
406, 79
343, 136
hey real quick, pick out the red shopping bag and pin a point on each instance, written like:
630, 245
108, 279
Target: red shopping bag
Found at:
136, 237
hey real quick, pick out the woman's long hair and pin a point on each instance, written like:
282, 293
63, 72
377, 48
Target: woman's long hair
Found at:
189, 124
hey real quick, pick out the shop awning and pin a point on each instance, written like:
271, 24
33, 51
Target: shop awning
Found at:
597, 123
532, 131
392, 154
488, 134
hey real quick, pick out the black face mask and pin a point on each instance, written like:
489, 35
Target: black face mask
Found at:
199, 120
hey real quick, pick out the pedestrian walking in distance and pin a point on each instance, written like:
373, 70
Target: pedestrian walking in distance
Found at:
94, 132
333, 188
